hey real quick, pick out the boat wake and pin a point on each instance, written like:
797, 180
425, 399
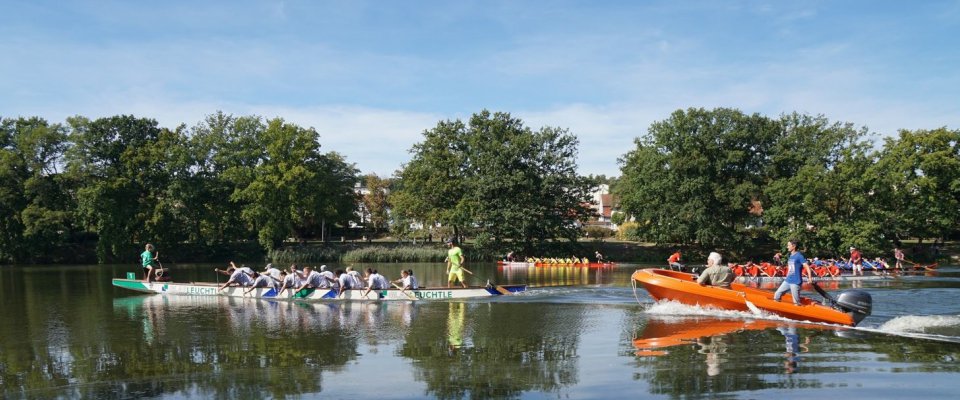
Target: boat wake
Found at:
673, 308
944, 328
670, 308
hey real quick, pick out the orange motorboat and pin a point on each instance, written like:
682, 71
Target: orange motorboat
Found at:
849, 308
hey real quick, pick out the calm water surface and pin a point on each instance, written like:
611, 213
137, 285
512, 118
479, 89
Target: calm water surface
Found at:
580, 333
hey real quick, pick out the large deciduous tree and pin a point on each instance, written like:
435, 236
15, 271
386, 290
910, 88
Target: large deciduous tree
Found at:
498, 178
292, 188
375, 205
696, 175
117, 161
817, 192
917, 177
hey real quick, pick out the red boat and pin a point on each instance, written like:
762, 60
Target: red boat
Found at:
849, 308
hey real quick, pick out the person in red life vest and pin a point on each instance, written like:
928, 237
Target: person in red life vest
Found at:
674, 261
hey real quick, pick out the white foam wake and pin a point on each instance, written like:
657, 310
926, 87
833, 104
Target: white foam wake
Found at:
671, 308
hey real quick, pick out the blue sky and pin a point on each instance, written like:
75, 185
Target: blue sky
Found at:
372, 76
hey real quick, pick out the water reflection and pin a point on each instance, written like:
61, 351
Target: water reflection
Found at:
567, 275
793, 348
493, 349
733, 354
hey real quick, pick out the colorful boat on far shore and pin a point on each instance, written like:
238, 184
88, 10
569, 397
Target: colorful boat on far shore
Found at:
554, 264
212, 289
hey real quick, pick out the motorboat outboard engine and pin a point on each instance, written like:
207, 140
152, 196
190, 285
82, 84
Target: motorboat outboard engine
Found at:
856, 302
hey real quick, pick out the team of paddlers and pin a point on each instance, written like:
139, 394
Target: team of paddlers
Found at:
816, 267
297, 280
511, 257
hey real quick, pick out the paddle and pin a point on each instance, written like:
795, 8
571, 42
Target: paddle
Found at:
410, 295
498, 288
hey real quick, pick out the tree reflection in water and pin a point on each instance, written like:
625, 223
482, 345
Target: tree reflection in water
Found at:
488, 352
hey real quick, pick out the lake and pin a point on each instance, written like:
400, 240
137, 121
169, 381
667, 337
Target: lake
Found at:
579, 333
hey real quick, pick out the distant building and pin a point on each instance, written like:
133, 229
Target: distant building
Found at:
605, 205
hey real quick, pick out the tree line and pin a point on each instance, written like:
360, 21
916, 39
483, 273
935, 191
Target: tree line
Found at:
122, 181
714, 178
721, 178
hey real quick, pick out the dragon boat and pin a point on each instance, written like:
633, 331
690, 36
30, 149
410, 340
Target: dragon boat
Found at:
525, 264
848, 308
821, 269
212, 289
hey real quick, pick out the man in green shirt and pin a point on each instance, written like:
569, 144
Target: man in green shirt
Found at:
455, 261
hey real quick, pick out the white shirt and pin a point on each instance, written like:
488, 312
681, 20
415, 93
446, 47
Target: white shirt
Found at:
263, 281
292, 281
241, 278
273, 272
410, 282
315, 279
357, 282
346, 281
330, 277
377, 281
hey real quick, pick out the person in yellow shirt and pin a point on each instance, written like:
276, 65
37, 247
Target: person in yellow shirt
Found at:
455, 261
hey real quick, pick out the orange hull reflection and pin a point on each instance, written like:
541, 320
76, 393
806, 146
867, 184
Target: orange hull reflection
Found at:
659, 335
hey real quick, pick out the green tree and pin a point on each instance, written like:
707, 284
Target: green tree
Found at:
13, 174
917, 182
293, 188
693, 177
48, 216
817, 191
221, 154
375, 205
118, 166
497, 177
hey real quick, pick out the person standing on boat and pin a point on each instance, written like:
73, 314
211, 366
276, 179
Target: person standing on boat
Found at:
856, 261
716, 274
794, 276
674, 261
598, 256
898, 254
149, 262
455, 261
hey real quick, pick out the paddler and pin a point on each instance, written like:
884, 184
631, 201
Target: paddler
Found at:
717, 273
674, 261
239, 276
794, 277
407, 281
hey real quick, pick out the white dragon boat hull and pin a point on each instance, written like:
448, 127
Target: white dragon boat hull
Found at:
212, 289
